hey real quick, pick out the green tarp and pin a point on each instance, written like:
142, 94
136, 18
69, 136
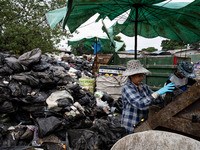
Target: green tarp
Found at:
177, 21
88, 43
55, 16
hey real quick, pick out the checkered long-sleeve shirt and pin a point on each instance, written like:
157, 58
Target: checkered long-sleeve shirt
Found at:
136, 104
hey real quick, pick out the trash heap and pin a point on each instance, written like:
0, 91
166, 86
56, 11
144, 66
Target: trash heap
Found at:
42, 106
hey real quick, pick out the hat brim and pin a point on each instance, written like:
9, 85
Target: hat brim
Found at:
128, 72
186, 74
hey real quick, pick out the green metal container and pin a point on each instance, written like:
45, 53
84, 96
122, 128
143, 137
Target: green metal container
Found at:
194, 58
160, 66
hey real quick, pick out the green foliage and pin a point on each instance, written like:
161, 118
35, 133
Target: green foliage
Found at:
23, 25
150, 49
118, 38
80, 50
172, 44
195, 45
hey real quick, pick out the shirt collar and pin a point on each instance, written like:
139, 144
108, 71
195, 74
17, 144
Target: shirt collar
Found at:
177, 75
130, 82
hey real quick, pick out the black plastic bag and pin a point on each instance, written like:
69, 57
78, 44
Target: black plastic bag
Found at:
89, 74
30, 57
2, 59
18, 148
14, 64
41, 66
92, 99
58, 71
108, 98
37, 96
48, 59
75, 90
78, 74
15, 88
45, 113
79, 61
21, 117
48, 125
26, 90
118, 105
84, 100
51, 146
5, 94
66, 66
47, 80
7, 107
6, 70
99, 112
80, 121
12, 137
108, 133
65, 80
27, 78
83, 139
29, 107
3, 133
64, 102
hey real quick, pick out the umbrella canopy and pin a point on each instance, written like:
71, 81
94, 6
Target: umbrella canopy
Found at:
55, 16
89, 44
148, 18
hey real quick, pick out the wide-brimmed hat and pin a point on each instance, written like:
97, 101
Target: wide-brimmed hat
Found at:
134, 67
186, 69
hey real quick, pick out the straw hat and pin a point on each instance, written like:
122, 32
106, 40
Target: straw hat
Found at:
134, 67
186, 69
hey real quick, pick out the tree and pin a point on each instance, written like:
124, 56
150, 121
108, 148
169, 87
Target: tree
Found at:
172, 44
118, 38
195, 45
23, 25
150, 49
80, 50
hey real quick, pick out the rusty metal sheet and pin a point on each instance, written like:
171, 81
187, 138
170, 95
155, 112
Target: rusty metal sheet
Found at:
181, 102
183, 125
192, 112
185, 104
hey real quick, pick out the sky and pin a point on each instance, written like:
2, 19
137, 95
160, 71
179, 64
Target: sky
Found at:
91, 29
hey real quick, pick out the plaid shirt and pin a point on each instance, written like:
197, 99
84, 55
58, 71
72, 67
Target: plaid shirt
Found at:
136, 104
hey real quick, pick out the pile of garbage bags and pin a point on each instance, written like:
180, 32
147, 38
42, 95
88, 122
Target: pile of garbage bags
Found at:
42, 106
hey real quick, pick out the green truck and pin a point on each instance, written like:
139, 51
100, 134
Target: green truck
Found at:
160, 66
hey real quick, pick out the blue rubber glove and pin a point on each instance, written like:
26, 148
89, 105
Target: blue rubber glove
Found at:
168, 88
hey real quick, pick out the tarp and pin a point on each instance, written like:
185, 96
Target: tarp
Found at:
88, 43
55, 16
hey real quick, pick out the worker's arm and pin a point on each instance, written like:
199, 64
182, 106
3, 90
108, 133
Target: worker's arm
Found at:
167, 88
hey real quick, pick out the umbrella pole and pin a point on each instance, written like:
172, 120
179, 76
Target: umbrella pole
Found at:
136, 28
96, 54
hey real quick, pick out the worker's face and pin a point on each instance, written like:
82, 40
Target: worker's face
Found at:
137, 78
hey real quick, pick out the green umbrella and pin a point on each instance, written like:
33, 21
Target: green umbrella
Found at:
89, 42
148, 18
55, 16
104, 44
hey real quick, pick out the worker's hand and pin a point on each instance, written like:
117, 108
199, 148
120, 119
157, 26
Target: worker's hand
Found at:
168, 88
